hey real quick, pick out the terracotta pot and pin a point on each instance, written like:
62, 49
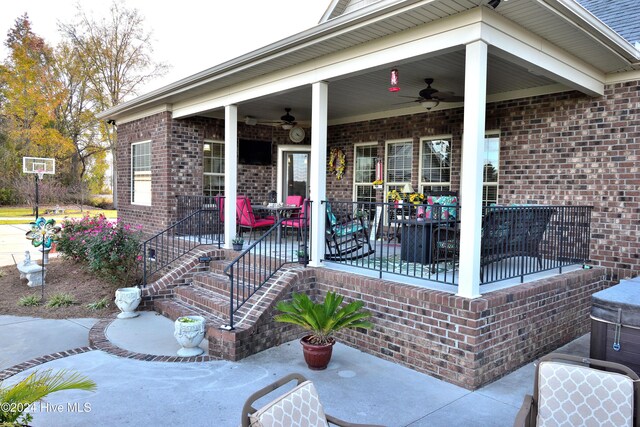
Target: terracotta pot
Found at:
316, 356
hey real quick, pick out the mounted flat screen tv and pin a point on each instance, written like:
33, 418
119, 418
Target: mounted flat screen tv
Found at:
252, 152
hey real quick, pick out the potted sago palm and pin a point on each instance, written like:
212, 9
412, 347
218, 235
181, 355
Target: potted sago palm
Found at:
322, 320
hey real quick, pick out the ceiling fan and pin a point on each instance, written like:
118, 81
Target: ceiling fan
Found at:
430, 97
287, 121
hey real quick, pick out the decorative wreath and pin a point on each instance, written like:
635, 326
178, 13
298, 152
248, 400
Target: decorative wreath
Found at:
337, 162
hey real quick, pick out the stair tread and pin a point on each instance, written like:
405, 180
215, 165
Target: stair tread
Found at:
183, 309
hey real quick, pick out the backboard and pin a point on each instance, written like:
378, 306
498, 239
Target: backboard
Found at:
39, 165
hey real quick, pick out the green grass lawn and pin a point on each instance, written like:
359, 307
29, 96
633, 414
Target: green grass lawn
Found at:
24, 215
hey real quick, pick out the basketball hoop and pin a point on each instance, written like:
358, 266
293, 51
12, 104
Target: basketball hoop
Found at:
39, 166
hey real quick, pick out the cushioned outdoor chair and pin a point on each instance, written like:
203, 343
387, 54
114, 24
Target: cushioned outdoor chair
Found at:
348, 239
246, 218
575, 391
299, 406
294, 200
301, 220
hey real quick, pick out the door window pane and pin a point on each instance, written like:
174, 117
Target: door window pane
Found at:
296, 180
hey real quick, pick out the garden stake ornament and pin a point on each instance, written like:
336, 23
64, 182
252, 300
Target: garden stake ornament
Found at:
43, 233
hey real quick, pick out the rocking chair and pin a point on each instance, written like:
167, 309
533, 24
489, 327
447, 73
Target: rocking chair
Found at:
346, 240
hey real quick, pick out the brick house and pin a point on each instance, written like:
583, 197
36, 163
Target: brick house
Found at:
546, 93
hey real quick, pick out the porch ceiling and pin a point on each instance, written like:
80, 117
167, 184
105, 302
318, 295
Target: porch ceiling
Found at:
366, 95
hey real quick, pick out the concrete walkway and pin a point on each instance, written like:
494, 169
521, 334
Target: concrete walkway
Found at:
356, 387
13, 242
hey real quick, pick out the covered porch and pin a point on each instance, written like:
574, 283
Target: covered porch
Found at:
476, 55
504, 106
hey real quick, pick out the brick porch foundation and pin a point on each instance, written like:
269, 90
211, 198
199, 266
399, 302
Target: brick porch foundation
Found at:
468, 342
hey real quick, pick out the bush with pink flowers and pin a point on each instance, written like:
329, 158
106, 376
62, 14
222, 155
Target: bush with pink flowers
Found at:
109, 248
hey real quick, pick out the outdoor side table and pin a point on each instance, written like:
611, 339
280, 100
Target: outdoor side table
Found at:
415, 240
615, 324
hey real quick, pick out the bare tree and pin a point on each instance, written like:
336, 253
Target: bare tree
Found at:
117, 55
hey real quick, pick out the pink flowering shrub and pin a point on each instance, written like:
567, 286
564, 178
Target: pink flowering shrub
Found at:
110, 249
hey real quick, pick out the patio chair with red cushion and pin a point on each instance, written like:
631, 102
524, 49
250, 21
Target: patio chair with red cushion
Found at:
300, 220
246, 218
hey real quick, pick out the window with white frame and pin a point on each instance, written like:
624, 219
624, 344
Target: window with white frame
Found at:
141, 173
435, 164
364, 172
399, 162
213, 179
491, 169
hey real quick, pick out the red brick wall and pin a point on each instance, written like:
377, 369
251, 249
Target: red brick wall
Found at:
467, 342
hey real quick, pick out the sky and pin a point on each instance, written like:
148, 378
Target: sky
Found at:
189, 35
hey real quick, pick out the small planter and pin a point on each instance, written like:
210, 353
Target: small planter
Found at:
189, 332
237, 246
127, 300
304, 259
316, 356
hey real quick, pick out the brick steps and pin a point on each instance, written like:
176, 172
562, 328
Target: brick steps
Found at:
213, 282
203, 299
173, 309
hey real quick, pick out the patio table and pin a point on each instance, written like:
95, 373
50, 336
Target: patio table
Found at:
280, 212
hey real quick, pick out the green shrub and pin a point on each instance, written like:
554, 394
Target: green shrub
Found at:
29, 301
99, 305
101, 202
60, 300
2, 273
110, 249
7, 197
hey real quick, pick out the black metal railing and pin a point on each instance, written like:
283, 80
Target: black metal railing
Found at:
287, 241
424, 241
186, 205
521, 240
393, 239
201, 227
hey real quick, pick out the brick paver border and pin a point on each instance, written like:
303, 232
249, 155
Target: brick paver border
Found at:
99, 341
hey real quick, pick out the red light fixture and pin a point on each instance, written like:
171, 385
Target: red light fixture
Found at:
394, 81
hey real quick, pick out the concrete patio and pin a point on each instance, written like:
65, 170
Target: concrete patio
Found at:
357, 386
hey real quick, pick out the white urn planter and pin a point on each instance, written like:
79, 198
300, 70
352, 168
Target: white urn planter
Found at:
189, 331
127, 300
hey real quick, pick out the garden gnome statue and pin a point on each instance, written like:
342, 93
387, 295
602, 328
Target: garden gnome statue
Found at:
27, 258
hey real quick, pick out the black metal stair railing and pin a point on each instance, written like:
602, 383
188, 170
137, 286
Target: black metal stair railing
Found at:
257, 263
201, 227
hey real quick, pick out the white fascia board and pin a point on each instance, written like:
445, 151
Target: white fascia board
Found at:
622, 77
441, 35
538, 52
142, 114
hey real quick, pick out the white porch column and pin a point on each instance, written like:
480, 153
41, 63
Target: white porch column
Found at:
475, 98
318, 171
230, 172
